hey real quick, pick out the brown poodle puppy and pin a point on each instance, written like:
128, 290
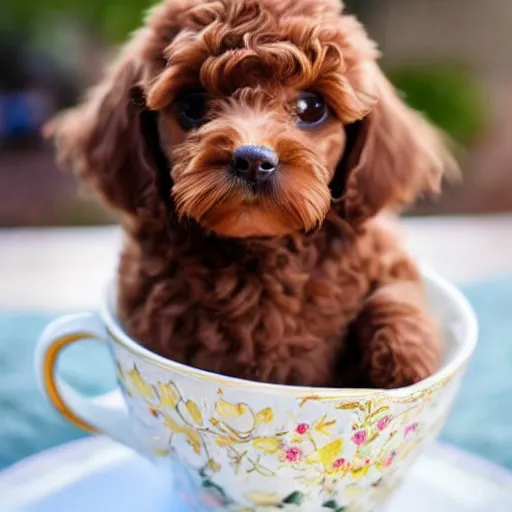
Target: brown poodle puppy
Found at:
250, 145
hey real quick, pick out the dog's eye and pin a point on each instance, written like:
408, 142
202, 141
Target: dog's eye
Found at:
311, 109
192, 109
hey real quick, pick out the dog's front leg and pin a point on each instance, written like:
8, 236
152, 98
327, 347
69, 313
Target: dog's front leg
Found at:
394, 337
398, 341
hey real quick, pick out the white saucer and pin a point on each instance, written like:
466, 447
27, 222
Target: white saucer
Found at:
95, 474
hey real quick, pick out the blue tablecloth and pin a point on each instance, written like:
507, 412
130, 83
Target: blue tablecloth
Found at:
481, 421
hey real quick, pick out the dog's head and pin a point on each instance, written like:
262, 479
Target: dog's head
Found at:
252, 118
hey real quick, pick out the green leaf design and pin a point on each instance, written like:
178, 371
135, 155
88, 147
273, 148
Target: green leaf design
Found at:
295, 498
341, 509
208, 484
330, 504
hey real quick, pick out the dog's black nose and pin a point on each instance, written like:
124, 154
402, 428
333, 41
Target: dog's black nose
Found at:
255, 164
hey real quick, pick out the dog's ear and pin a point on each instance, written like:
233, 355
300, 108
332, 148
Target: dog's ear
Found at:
102, 140
393, 155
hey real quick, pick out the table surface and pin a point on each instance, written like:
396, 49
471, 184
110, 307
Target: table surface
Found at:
64, 269
97, 474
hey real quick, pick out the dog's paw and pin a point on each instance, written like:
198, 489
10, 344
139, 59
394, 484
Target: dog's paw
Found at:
400, 344
399, 356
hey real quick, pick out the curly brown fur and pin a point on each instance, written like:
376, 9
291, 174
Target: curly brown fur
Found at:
297, 283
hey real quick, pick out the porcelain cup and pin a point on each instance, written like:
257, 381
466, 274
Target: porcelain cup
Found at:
241, 446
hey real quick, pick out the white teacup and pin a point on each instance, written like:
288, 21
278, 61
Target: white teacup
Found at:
243, 446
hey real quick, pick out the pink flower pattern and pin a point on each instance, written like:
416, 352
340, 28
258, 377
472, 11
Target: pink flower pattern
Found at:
338, 463
383, 422
302, 428
360, 437
293, 454
389, 459
411, 428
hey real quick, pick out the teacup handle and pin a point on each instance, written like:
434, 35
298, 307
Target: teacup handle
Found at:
94, 415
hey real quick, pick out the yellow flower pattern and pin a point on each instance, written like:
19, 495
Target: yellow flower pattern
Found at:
267, 444
194, 412
193, 437
327, 454
323, 426
169, 395
138, 386
265, 416
231, 411
263, 499
320, 457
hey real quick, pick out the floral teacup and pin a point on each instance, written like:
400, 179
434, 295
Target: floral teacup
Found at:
243, 446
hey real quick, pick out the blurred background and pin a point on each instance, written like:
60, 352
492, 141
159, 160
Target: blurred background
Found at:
449, 58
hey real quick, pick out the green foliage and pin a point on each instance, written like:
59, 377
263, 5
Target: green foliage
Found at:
447, 94
112, 19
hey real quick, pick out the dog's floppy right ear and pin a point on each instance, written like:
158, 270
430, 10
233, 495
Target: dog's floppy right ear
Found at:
102, 139
393, 155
